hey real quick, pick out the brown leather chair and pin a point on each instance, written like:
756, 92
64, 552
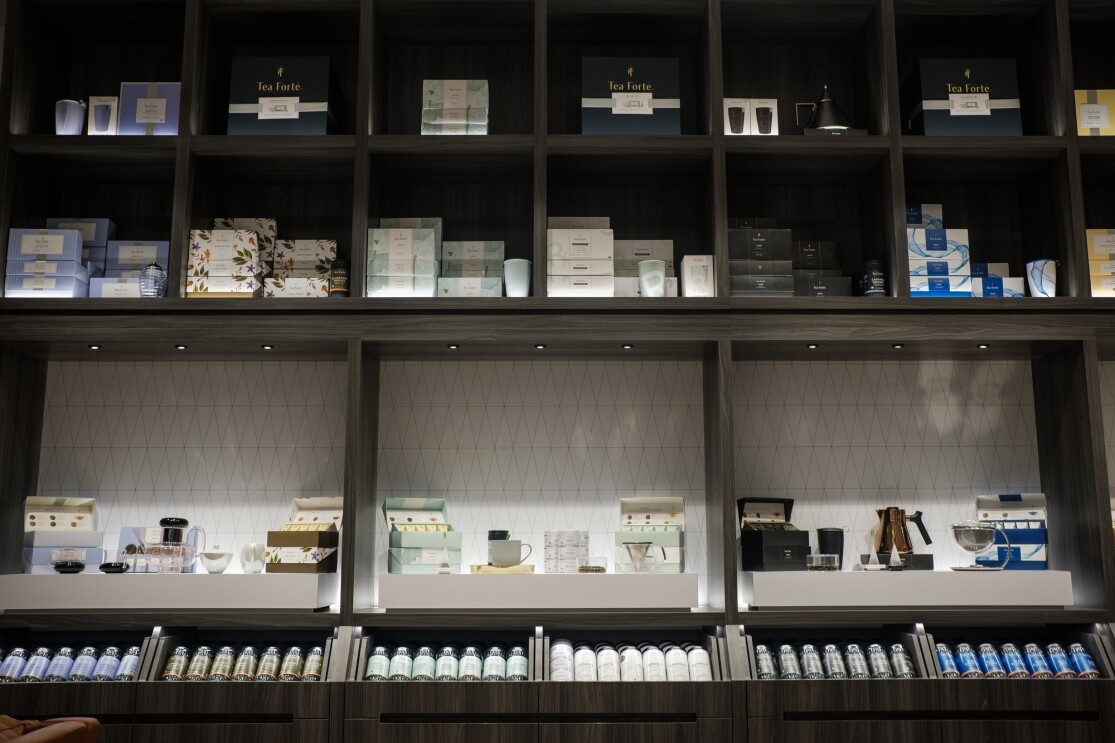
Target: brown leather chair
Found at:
57, 730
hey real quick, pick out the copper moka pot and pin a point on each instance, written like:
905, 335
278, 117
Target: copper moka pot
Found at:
892, 533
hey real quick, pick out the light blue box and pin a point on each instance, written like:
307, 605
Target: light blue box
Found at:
933, 267
114, 288
997, 286
922, 243
44, 245
50, 268
149, 108
43, 287
128, 254
949, 284
95, 231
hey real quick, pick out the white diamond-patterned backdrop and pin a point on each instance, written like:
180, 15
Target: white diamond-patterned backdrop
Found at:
842, 438
542, 446
226, 445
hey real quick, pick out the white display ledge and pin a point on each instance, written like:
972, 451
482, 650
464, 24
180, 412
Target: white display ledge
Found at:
906, 588
98, 591
528, 592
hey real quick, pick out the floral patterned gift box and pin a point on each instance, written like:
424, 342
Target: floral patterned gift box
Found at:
224, 253
232, 287
296, 287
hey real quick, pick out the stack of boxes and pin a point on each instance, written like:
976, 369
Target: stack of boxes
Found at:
471, 269
1022, 517
46, 263
817, 273
224, 263
941, 262
657, 521
59, 530
420, 538
760, 259
628, 254
454, 107
580, 257
403, 257
124, 262
1101, 262
300, 268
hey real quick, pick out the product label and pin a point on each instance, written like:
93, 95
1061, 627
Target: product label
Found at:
424, 666
401, 666
517, 666
1093, 116
447, 667
1103, 244
151, 111
495, 666
378, 666
88, 229
454, 94
42, 244
633, 103
936, 240
278, 108
123, 289
969, 104
136, 253
470, 667
39, 282
40, 267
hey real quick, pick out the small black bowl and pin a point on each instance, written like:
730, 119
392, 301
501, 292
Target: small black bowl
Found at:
114, 567
69, 566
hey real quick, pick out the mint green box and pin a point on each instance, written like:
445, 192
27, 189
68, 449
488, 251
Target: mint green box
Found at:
401, 512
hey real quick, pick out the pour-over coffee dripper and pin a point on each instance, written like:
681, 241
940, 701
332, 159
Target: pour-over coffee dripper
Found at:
640, 554
975, 537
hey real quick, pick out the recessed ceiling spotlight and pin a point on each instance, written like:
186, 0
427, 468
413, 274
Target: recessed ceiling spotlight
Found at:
540, 346
181, 346
267, 347
94, 347
898, 346
628, 346
984, 346
452, 346
812, 346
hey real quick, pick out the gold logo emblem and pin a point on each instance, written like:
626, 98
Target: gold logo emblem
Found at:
968, 74
630, 71
279, 71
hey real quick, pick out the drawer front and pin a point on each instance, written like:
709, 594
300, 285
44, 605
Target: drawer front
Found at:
372, 731
694, 699
370, 700
1029, 731
302, 731
776, 698
1008, 695
37, 701
705, 730
291, 700
774, 730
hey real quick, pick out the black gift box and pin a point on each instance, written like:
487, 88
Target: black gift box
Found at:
963, 97
630, 95
771, 545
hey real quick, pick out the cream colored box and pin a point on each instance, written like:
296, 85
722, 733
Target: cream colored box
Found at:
580, 286
580, 268
1101, 268
400, 286
629, 253
263, 226
1101, 245
296, 287
579, 244
578, 223
239, 287
223, 245
698, 276
1103, 286
316, 254
469, 287
1095, 113
628, 286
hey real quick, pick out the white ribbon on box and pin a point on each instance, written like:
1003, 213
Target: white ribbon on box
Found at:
631, 103
278, 108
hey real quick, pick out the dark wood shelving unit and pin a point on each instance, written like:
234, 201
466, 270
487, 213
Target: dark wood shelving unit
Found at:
1022, 198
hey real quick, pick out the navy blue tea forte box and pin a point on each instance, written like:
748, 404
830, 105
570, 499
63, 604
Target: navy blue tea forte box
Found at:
279, 95
963, 97
630, 95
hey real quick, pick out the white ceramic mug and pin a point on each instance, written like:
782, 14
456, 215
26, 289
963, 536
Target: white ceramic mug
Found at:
516, 277
69, 117
1041, 277
251, 557
652, 278
508, 552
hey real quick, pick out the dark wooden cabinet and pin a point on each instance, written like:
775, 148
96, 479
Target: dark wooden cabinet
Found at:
1024, 197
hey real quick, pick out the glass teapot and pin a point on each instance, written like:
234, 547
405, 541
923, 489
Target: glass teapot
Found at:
177, 548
